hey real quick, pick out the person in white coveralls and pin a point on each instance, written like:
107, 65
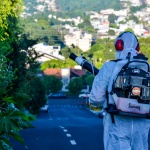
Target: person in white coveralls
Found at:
127, 133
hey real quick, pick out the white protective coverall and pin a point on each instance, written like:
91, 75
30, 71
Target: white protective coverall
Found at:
127, 133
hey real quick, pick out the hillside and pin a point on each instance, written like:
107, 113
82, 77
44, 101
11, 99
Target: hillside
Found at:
71, 6
88, 5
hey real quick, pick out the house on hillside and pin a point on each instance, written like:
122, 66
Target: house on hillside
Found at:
77, 37
137, 28
53, 72
65, 75
51, 52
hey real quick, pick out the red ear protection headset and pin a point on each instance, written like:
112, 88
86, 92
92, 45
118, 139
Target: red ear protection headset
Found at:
119, 44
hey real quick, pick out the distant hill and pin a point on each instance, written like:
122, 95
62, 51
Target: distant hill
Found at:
88, 5
75, 6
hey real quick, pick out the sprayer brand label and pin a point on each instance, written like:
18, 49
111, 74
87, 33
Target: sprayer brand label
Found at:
136, 91
132, 106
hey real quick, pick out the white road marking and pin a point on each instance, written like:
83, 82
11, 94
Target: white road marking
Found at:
68, 135
73, 142
65, 130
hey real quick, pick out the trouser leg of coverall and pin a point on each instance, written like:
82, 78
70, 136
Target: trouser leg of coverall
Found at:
140, 134
126, 133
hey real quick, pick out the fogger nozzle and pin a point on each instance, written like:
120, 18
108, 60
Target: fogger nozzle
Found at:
80, 60
73, 56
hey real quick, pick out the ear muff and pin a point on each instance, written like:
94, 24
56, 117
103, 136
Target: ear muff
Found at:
119, 45
138, 47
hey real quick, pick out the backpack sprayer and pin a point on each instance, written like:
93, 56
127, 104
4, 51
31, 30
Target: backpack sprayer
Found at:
86, 64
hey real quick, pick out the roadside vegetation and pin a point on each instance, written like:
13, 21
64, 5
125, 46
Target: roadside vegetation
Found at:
17, 72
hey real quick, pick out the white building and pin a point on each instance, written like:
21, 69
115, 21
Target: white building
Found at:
123, 12
50, 52
40, 7
137, 28
135, 3
83, 41
120, 18
71, 39
148, 2
107, 11
84, 44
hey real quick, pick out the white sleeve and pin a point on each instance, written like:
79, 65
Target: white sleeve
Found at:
100, 84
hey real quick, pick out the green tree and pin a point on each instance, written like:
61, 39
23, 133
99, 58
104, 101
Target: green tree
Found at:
12, 122
111, 32
84, 79
87, 22
53, 63
12, 119
46, 33
113, 25
134, 18
89, 80
135, 9
130, 30
81, 25
52, 84
66, 52
20, 60
69, 63
74, 6
9, 8
75, 85
103, 50
37, 95
112, 18
98, 58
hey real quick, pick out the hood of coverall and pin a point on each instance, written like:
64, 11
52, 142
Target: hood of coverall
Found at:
129, 45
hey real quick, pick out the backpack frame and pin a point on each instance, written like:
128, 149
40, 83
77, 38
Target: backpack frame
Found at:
131, 90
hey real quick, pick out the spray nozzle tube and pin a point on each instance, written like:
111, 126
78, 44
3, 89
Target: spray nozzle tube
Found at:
82, 61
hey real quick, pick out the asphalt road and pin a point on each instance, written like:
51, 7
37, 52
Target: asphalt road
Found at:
69, 125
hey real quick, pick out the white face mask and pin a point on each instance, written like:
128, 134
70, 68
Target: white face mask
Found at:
130, 44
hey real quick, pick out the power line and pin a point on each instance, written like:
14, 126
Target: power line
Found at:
51, 56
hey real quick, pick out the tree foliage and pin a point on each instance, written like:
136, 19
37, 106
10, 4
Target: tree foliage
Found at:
137, 8
36, 89
111, 32
52, 84
86, 5
53, 63
12, 122
130, 30
9, 8
113, 25
75, 85
12, 119
112, 18
89, 80
46, 32
134, 18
